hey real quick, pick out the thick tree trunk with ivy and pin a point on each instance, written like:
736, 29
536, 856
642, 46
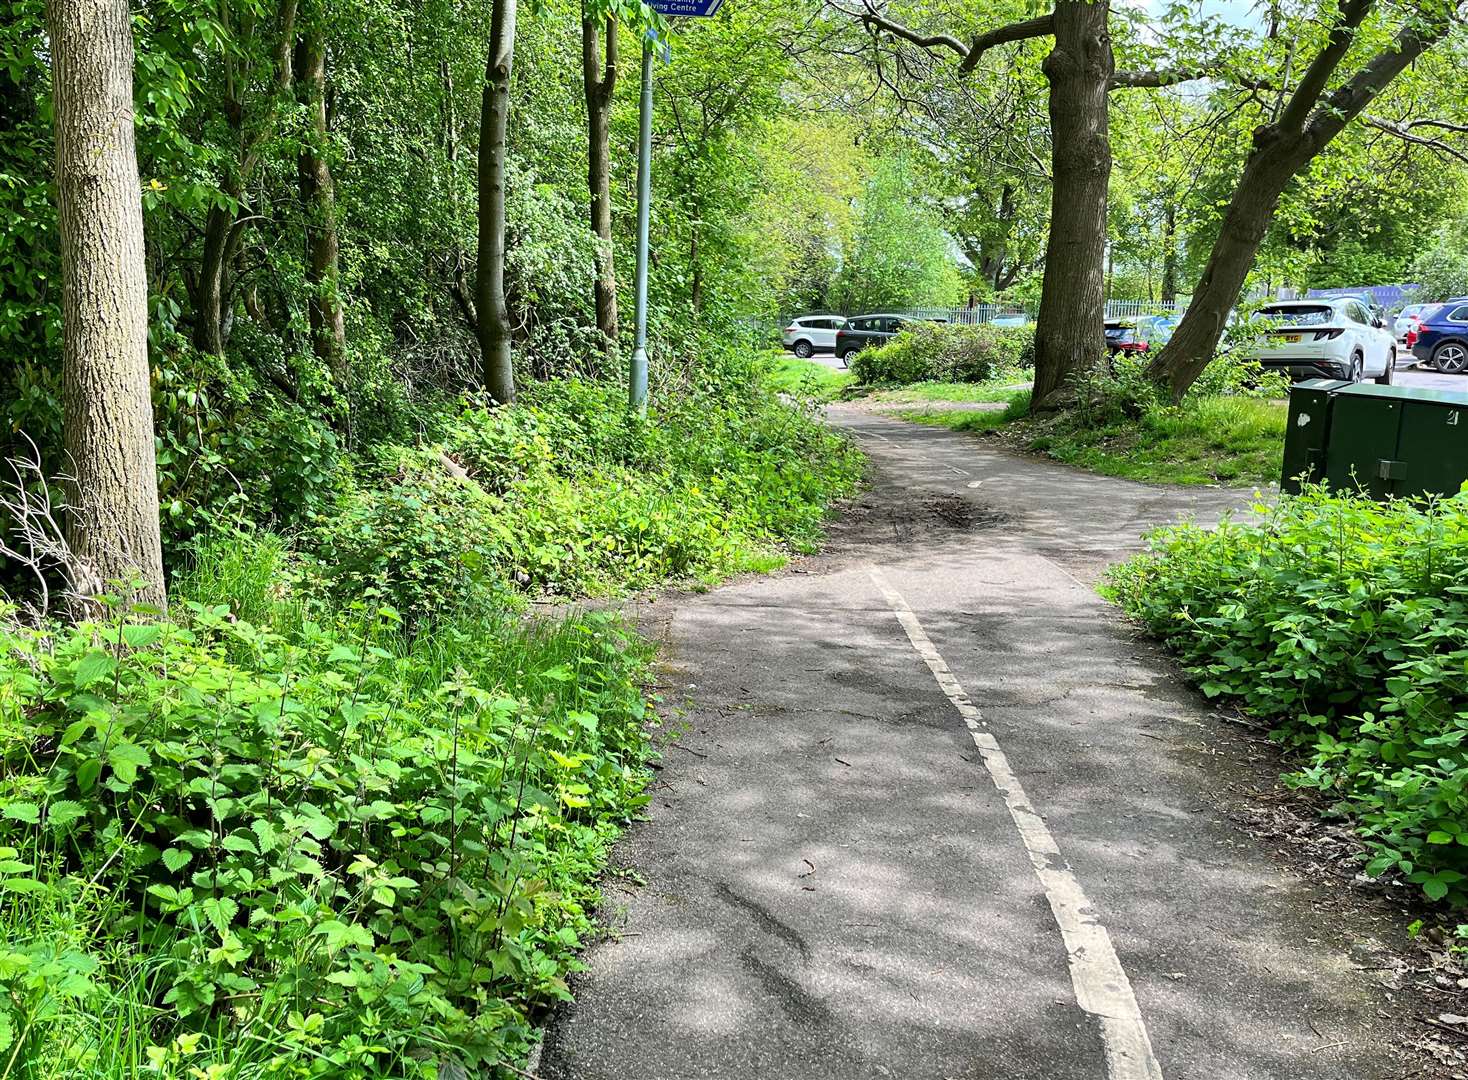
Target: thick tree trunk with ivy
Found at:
112, 526
318, 195
494, 118
1281, 150
600, 79
1068, 336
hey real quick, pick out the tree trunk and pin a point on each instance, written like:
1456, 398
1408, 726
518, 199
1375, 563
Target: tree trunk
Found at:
222, 231
1281, 150
1068, 329
600, 82
994, 246
494, 118
1271, 165
209, 291
318, 196
113, 526
1169, 252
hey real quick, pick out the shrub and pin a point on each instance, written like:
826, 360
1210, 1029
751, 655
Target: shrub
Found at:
1344, 623
946, 352
567, 493
333, 852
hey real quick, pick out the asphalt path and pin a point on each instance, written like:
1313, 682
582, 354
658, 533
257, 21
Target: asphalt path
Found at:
929, 810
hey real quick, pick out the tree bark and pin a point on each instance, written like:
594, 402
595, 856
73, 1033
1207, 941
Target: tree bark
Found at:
494, 117
1169, 252
221, 229
1281, 150
1068, 337
991, 252
318, 196
600, 80
113, 527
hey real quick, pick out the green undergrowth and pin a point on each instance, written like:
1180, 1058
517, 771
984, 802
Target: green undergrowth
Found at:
1343, 623
946, 352
995, 390
302, 847
807, 378
565, 494
1216, 439
344, 814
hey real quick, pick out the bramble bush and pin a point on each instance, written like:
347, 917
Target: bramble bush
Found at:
946, 352
343, 815
565, 493
233, 850
1344, 623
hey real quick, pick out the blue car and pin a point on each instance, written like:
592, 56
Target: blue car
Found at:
1442, 337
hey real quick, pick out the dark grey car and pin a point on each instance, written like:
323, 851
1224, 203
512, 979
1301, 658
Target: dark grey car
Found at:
864, 330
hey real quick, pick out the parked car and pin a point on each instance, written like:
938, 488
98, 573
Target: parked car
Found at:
1122, 336
811, 334
1009, 321
1331, 337
1406, 322
863, 330
1442, 336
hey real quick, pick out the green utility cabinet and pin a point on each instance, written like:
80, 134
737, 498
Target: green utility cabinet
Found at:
1308, 430
1388, 441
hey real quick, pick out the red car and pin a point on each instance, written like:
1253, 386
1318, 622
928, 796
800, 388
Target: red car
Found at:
1122, 337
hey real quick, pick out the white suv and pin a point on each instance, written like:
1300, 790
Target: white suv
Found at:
1326, 338
811, 334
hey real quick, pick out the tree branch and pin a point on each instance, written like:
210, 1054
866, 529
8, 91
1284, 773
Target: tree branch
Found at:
1346, 102
1312, 84
1403, 132
1018, 31
872, 18
1124, 80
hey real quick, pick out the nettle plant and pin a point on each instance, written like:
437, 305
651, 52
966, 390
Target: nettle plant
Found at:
1344, 623
369, 856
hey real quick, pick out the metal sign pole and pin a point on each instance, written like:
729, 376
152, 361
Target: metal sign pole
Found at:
637, 369
637, 375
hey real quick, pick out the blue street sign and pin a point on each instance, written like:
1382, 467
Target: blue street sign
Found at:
696, 8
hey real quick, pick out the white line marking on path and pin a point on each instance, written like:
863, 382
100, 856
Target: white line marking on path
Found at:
1101, 985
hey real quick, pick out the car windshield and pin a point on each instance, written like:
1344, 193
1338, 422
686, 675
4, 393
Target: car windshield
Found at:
1117, 331
1314, 315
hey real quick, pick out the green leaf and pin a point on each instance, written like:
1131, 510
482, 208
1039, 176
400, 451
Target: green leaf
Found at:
24, 885
27, 812
1439, 837
137, 636
1435, 888
126, 759
93, 666
62, 813
176, 859
239, 842
87, 773
220, 911
338, 933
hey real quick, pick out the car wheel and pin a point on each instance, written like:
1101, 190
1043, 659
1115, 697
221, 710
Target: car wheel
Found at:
1357, 365
1385, 378
803, 350
1451, 358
